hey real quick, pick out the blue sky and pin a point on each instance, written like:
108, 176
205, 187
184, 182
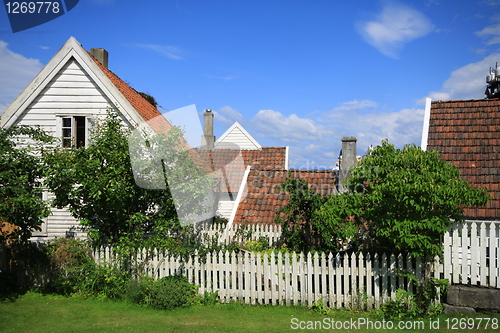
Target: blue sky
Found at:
294, 73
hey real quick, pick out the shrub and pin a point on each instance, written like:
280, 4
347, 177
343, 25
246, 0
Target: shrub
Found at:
171, 292
138, 291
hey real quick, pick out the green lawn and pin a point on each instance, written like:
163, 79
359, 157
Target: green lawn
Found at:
37, 313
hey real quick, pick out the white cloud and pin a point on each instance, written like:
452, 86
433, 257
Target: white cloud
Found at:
273, 124
492, 31
16, 72
467, 82
395, 26
168, 51
315, 143
228, 115
402, 127
355, 105
315, 140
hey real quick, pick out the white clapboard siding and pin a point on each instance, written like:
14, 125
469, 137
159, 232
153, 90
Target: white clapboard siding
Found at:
73, 92
226, 206
59, 224
236, 134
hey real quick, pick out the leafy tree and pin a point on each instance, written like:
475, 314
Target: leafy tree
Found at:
303, 229
97, 185
21, 206
407, 198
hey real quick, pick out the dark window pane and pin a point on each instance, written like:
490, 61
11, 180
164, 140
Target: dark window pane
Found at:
66, 132
66, 122
80, 132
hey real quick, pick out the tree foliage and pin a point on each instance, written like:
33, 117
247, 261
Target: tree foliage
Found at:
398, 200
303, 228
21, 206
406, 199
97, 185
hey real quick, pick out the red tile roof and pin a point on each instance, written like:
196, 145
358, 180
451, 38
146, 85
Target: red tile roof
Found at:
467, 133
230, 164
146, 110
264, 197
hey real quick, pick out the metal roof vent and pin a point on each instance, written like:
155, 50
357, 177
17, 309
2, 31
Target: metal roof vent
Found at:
493, 83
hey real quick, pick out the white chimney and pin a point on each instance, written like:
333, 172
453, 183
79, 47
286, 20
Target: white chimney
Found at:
101, 55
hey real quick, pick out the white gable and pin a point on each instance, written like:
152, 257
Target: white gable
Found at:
70, 82
236, 134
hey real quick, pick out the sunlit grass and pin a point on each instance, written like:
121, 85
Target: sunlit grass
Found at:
37, 313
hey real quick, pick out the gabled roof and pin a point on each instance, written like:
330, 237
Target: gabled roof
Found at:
129, 102
236, 134
264, 197
467, 133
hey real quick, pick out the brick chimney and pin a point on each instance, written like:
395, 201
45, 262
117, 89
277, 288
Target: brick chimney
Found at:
348, 160
101, 55
208, 138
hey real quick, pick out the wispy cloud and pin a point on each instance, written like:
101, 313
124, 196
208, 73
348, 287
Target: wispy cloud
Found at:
491, 32
393, 27
466, 82
228, 115
354, 105
16, 72
168, 51
273, 124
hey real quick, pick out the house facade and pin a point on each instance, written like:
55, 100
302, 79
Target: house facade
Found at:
65, 99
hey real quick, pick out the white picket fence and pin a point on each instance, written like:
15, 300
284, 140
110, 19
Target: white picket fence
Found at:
471, 253
240, 233
350, 281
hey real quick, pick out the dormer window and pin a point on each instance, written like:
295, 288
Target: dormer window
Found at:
74, 131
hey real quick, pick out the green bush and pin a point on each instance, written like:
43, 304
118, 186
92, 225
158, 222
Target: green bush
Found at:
138, 291
172, 292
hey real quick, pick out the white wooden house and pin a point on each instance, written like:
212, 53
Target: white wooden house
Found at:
65, 98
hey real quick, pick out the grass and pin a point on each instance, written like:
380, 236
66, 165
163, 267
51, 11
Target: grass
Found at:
38, 313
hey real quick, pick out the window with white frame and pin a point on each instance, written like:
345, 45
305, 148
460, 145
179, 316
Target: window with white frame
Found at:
74, 130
